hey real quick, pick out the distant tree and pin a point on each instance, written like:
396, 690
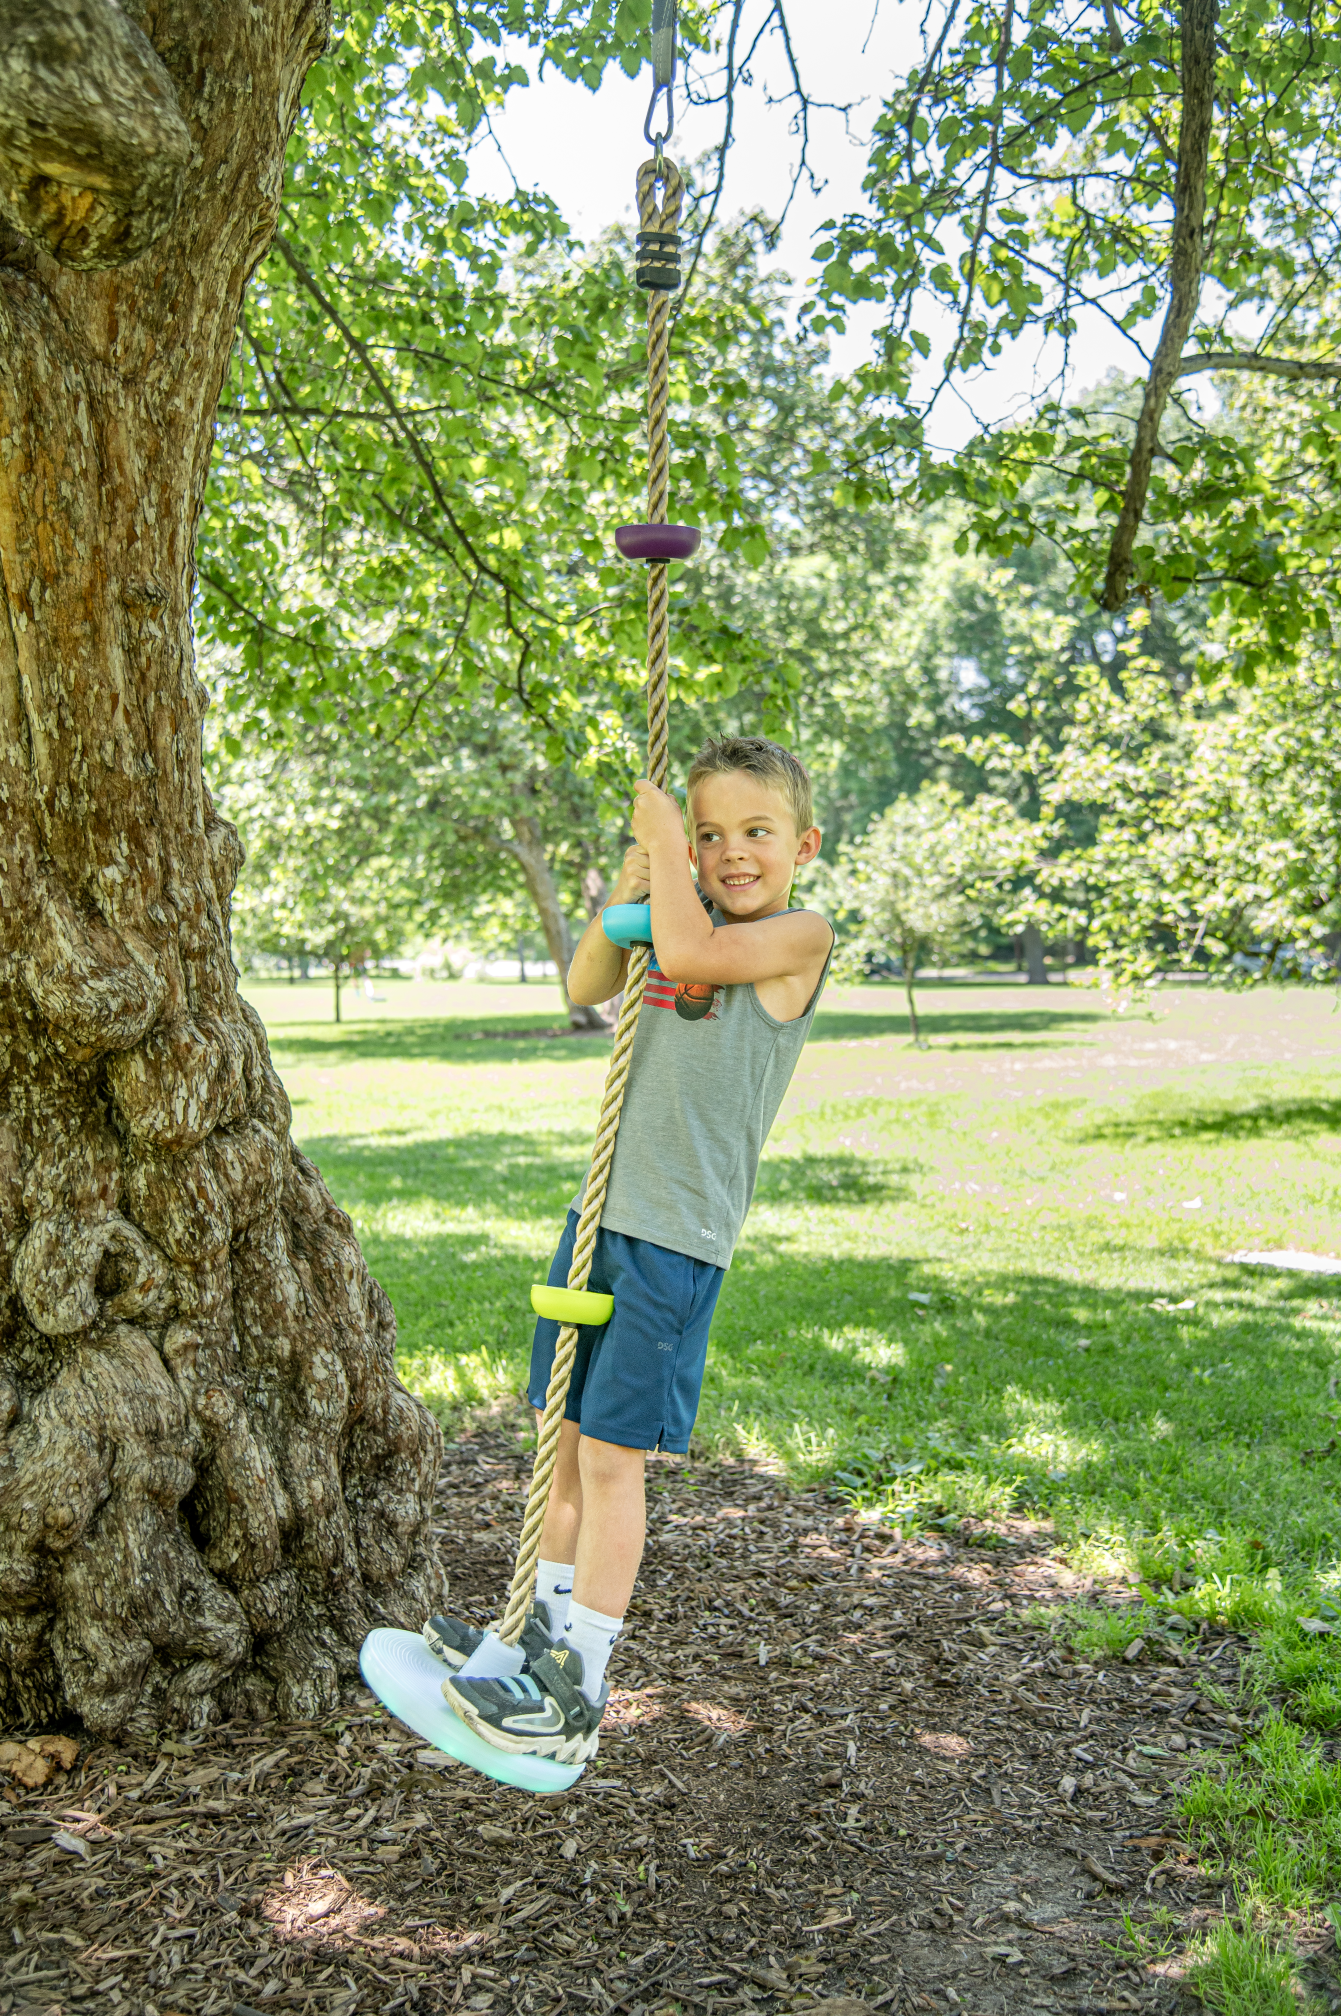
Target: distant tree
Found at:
925, 877
1217, 817
354, 846
334, 865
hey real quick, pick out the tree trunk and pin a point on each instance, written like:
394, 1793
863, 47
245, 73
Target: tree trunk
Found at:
1035, 963
211, 1481
913, 1025
595, 891
530, 852
595, 896
908, 959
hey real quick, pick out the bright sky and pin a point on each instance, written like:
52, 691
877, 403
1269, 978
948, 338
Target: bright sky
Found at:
584, 148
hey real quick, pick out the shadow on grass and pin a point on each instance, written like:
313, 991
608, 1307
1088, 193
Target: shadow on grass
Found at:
513, 1174
1022, 1022
1164, 1116
1086, 1402
495, 1040
526, 1176
830, 1179
1175, 1433
505, 1039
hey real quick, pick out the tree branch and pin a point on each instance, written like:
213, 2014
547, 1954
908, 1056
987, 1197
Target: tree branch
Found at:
414, 446
93, 146
1271, 367
1185, 267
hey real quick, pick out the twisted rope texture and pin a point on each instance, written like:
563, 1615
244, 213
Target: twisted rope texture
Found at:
652, 216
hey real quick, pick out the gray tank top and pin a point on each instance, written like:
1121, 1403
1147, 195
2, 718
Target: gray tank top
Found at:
709, 1068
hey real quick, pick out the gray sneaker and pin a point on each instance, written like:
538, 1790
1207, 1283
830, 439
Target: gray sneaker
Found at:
453, 1641
542, 1714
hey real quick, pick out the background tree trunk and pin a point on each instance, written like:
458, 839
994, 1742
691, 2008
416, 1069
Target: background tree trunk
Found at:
1035, 962
211, 1480
529, 849
910, 952
595, 891
595, 896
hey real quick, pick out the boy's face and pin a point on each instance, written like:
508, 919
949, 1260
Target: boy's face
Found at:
745, 843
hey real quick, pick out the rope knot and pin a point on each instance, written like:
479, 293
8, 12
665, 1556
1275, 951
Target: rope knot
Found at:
665, 215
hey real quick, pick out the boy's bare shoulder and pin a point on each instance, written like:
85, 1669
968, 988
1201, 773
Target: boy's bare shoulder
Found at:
824, 939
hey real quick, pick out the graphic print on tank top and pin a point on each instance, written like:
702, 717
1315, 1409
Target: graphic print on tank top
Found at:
692, 1000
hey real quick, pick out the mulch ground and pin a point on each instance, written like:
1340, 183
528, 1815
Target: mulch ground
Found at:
837, 1765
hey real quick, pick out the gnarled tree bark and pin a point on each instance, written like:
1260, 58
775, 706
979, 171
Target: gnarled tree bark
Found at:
211, 1480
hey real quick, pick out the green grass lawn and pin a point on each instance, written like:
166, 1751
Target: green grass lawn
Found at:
988, 1277
983, 1277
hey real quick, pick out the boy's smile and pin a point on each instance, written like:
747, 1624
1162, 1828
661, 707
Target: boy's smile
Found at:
745, 844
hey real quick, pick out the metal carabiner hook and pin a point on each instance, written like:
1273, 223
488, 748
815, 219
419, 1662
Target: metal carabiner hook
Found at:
658, 140
663, 72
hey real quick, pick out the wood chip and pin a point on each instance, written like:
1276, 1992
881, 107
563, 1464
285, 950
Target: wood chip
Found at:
328, 1868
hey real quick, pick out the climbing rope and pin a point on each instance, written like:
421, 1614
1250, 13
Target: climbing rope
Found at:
657, 247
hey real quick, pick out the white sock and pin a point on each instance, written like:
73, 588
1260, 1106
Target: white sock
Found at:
493, 1660
593, 1634
554, 1586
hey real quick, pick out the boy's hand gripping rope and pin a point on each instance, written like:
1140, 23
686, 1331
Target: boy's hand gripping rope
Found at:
653, 218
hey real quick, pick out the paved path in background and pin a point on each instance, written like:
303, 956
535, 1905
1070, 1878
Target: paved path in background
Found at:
1191, 1032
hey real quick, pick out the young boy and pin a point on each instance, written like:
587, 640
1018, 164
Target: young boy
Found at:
728, 1005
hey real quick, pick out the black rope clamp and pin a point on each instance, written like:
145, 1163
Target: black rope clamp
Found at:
658, 265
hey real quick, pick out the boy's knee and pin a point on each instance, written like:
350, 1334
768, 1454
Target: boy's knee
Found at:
609, 1462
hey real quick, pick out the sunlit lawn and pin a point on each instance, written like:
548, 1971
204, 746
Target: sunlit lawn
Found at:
987, 1275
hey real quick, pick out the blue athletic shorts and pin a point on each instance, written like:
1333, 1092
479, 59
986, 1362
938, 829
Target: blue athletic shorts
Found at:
636, 1379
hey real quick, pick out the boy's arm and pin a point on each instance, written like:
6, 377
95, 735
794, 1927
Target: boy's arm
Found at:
599, 969
690, 947
729, 955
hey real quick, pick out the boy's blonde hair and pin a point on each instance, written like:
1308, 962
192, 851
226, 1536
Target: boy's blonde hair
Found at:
768, 761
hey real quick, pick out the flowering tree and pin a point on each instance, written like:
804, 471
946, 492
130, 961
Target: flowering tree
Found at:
927, 875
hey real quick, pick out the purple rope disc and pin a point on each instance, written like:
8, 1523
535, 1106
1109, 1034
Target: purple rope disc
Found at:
658, 542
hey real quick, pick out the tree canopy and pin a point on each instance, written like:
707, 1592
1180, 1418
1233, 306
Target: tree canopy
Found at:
1170, 173
435, 414
434, 418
